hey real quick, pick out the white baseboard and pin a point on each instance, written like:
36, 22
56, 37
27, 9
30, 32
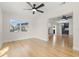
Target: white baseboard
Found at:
40, 38
16, 39
25, 38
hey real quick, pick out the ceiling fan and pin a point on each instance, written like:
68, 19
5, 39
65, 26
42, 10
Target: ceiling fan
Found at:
34, 8
66, 17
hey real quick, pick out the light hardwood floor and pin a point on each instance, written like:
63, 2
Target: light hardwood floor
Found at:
38, 48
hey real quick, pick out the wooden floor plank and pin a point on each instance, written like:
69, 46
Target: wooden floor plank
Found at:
39, 48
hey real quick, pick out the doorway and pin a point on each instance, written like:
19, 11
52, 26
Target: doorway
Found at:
60, 31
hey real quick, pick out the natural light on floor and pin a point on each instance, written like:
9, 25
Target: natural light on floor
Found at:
3, 51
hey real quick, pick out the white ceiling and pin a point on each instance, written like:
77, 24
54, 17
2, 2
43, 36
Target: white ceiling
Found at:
18, 7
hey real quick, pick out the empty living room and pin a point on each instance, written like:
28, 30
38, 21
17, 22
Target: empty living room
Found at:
39, 29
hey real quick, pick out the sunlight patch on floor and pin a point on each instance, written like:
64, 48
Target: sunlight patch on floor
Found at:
3, 51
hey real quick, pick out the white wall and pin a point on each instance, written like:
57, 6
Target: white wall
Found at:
71, 27
12, 36
76, 28
39, 29
59, 29
1, 27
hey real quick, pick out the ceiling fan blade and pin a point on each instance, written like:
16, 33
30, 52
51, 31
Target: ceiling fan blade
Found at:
69, 17
40, 6
27, 9
29, 4
40, 11
33, 12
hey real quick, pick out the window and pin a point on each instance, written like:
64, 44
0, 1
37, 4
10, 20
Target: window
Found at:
18, 25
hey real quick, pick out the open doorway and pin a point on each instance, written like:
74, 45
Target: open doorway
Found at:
60, 30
